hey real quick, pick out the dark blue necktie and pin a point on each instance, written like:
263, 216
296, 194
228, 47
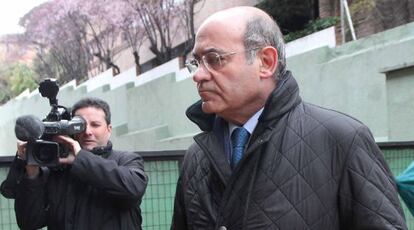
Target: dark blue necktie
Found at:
239, 139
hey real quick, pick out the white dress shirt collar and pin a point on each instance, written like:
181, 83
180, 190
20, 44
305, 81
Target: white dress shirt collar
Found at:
250, 125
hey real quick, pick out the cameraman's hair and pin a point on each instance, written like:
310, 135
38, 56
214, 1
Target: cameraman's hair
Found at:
93, 102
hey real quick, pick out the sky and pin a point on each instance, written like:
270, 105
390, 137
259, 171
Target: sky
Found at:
11, 11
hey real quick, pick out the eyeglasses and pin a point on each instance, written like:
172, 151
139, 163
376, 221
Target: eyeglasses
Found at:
212, 61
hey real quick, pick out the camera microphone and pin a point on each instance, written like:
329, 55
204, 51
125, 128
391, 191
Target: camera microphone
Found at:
28, 128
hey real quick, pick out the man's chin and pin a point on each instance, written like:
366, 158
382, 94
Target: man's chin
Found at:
88, 147
208, 107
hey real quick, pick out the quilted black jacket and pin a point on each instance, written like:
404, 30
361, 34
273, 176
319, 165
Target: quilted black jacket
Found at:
305, 167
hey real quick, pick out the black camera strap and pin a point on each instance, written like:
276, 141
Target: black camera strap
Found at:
102, 150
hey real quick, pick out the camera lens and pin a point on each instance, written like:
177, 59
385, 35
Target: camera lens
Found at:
46, 153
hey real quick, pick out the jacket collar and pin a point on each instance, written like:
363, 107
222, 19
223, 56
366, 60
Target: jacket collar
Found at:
283, 98
102, 150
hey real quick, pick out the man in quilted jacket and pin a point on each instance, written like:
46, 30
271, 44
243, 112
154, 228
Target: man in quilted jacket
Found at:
265, 158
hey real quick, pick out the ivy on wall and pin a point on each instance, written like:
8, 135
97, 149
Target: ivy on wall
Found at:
312, 27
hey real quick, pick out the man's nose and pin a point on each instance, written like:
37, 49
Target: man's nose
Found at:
201, 74
88, 130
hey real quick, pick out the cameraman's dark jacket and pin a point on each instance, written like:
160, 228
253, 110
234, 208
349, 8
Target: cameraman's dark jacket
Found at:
305, 167
97, 192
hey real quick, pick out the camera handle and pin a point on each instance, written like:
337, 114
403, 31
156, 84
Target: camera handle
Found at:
49, 88
58, 113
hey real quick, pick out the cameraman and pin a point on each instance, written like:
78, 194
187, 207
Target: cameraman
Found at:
95, 187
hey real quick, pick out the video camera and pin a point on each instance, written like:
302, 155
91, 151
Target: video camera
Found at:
41, 149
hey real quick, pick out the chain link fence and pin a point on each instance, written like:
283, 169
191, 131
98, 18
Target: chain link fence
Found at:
162, 168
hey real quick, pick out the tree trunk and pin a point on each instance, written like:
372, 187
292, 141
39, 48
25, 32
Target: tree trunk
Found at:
137, 65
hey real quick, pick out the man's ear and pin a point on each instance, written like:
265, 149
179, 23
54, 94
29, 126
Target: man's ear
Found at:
268, 61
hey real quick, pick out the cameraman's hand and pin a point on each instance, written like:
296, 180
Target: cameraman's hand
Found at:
32, 171
73, 146
21, 149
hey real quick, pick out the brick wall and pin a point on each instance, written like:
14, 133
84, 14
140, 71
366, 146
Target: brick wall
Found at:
328, 8
370, 16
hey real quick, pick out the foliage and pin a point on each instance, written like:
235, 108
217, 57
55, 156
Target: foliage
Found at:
76, 37
312, 27
15, 79
5, 93
361, 6
84, 35
161, 20
131, 28
101, 30
186, 12
297, 18
21, 78
291, 15
59, 40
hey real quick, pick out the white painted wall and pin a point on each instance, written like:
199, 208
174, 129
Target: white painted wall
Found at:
319, 39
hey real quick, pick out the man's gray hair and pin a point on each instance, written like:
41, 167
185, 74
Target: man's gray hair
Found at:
260, 32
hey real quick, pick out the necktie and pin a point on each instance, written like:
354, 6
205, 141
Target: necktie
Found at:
239, 139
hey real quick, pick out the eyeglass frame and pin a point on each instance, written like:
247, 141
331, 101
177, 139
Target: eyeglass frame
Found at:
196, 63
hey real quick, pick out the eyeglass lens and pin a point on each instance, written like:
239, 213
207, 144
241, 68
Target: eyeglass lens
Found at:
212, 61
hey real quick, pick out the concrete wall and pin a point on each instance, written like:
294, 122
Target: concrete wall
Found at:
370, 79
313, 41
350, 77
400, 101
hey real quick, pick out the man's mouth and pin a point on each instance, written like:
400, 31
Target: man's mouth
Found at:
88, 141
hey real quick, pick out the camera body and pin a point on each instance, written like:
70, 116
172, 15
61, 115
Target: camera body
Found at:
45, 151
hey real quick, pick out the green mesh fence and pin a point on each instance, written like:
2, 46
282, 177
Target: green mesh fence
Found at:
158, 202
157, 205
7, 217
398, 160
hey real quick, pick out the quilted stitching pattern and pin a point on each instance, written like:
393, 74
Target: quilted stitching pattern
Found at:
319, 169
297, 181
